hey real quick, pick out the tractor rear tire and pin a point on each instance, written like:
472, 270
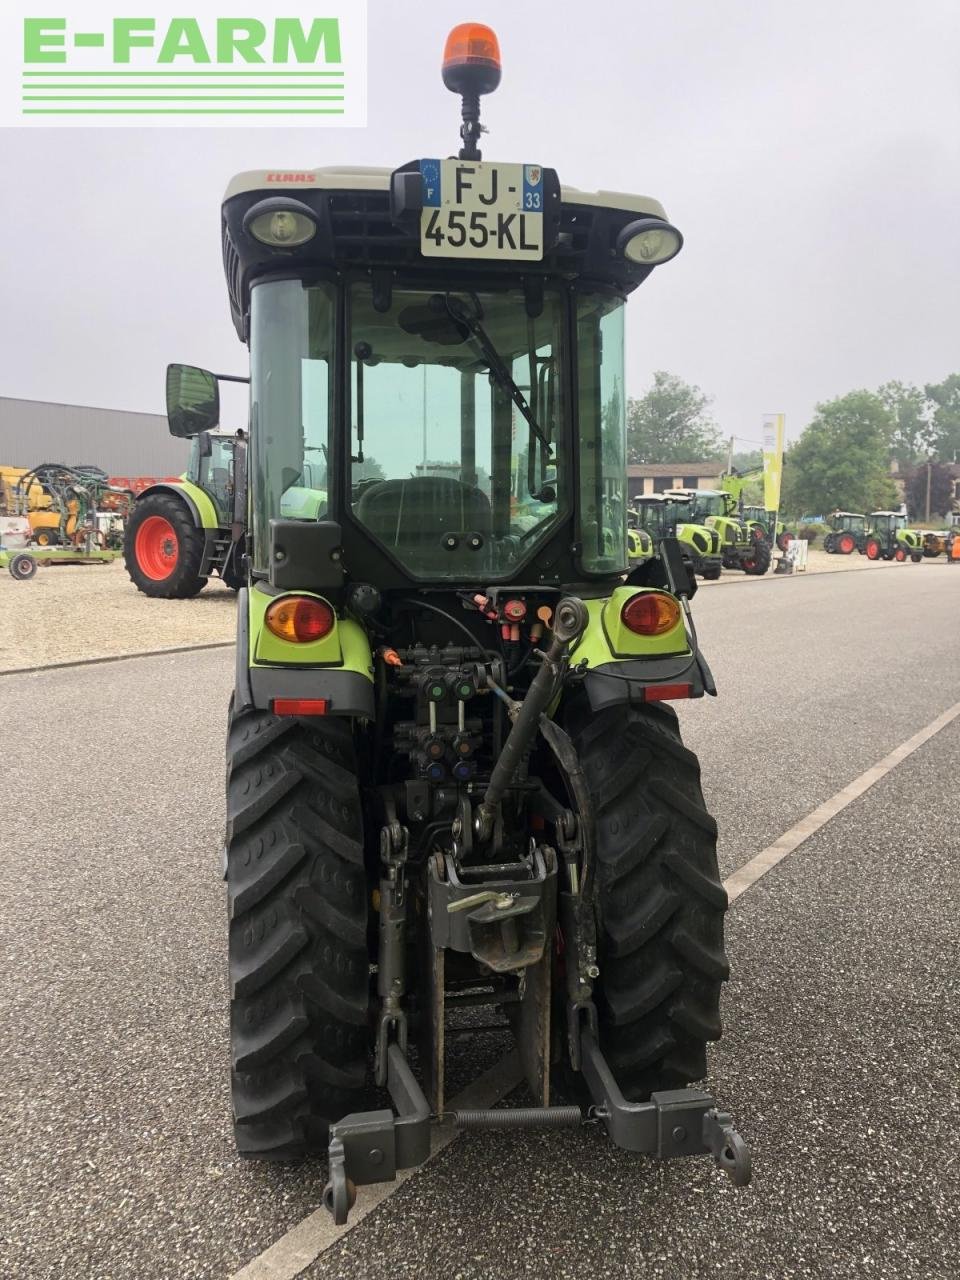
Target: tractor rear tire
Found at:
298, 907
784, 539
661, 901
829, 543
872, 549
759, 561
163, 548
900, 555
47, 537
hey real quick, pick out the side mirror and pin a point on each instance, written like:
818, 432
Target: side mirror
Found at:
193, 400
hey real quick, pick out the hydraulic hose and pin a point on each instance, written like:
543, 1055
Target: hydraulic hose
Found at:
569, 622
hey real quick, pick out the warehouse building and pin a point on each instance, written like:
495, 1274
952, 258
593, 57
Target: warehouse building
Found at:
657, 477
122, 443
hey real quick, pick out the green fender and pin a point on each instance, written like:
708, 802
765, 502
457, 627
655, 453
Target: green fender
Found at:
607, 638
346, 647
199, 502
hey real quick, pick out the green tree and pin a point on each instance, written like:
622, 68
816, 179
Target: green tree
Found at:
750, 460
670, 424
913, 433
841, 459
945, 396
368, 469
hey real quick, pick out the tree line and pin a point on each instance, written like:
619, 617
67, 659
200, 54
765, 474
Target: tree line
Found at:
842, 458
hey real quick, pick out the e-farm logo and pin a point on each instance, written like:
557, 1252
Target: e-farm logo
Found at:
108, 63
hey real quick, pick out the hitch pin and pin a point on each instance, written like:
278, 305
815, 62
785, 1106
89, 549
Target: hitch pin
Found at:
500, 900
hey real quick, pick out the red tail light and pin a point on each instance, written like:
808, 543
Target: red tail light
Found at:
661, 692
651, 613
300, 706
300, 619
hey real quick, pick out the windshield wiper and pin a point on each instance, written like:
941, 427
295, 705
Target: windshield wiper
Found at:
497, 366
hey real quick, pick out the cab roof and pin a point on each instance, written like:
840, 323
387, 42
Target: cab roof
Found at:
359, 230
361, 178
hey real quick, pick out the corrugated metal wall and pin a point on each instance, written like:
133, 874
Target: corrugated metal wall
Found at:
124, 444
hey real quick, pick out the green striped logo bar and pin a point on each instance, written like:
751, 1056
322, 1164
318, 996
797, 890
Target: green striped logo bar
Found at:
96, 65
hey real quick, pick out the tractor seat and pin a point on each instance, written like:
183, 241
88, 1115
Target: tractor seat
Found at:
413, 515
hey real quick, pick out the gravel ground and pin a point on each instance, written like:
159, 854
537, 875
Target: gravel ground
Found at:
69, 612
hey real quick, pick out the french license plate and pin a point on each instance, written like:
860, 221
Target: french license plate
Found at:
477, 210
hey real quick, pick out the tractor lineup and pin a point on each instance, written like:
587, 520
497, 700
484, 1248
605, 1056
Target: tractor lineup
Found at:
744, 543
658, 516
881, 535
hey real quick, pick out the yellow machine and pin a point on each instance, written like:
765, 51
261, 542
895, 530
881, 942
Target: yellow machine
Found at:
41, 512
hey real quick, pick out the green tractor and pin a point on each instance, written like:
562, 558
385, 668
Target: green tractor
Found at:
888, 538
744, 544
848, 531
454, 774
669, 517
639, 542
772, 529
179, 533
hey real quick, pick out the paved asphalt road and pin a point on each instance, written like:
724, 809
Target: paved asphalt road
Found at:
840, 1058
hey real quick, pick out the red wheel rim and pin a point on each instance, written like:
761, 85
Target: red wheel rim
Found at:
846, 544
157, 548
873, 550
900, 554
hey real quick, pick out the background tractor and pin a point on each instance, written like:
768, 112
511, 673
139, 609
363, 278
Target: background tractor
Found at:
888, 538
666, 517
761, 523
454, 776
848, 531
773, 530
743, 544
639, 543
181, 532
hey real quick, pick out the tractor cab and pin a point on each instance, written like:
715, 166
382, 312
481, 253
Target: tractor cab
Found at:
211, 468
436, 389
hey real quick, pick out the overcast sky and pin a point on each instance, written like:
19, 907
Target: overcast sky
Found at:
809, 151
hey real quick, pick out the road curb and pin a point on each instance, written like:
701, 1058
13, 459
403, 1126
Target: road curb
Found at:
118, 657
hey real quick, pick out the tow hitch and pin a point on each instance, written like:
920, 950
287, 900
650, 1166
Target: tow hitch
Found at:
372, 1145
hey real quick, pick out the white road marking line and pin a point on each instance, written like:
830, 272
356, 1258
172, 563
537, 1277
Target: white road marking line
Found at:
766, 859
304, 1243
